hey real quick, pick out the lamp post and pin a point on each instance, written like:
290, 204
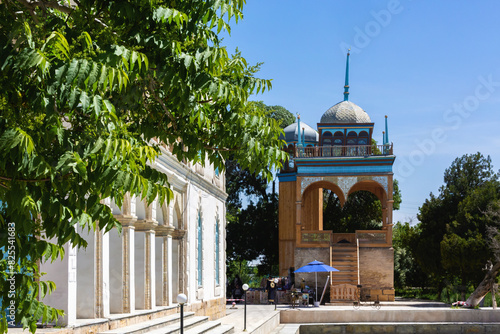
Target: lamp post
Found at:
245, 288
182, 299
276, 293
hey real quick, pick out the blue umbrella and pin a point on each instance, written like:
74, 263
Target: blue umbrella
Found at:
315, 267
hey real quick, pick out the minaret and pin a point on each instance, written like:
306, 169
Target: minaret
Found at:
386, 137
299, 139
346, 86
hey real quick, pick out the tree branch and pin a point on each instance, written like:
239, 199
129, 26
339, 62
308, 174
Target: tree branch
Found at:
206, 101
30, 180
22, 180
30, 5
221, 149
162, 103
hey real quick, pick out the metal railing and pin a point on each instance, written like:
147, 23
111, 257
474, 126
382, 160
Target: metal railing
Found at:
343, 151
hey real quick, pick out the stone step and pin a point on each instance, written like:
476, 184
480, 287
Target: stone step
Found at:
345, 270
344, 251
345, 263
353, 259
351, 282
287, 329
147, 326
222, 329
211, 327
189, 323
345, 276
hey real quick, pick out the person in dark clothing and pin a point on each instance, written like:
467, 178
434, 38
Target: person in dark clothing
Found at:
271, 289
238, 291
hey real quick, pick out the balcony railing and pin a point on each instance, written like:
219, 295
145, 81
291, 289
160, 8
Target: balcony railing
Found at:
342, 151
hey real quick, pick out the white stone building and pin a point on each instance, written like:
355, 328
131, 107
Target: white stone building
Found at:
163, 250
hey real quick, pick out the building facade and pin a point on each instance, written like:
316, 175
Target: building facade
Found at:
340, 157
164, 249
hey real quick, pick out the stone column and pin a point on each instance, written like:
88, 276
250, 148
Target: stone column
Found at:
102, 275
127, 273
384, 217
167, 271
164, 287
390, 204
149, 287
145, 258
128, 269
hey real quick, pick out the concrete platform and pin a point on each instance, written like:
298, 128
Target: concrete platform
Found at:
402, 316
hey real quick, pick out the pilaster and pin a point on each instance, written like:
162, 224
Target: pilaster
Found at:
128, 269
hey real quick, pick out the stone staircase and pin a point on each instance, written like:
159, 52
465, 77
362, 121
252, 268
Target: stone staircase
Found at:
345, 259
171, 324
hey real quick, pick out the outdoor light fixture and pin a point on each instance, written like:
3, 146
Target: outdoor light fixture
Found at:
182, 299
245, 288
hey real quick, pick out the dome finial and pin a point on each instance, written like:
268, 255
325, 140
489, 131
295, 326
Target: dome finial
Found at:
346, 86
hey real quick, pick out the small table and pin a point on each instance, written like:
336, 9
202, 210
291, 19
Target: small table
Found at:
298, 298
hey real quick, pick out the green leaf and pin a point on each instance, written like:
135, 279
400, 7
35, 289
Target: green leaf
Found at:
97, 104
88, 39
84, 100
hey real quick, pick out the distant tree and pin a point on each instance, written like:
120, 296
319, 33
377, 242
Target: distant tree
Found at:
361, 211
493, 265
281, 115
451, 243
252, 231
396, 196
407, 272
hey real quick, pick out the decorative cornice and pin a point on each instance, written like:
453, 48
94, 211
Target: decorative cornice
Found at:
145, 225
164, 230
126, 220
182, 174
178, 234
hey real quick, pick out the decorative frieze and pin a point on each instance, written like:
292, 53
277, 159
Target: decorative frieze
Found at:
345, 183
306, 181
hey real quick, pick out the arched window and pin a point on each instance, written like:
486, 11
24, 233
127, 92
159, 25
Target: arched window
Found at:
338, 138
199, 228
327, 138
217, 251
352, 138
364, 149
363, 138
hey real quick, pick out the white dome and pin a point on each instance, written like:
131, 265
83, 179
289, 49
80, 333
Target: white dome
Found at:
291, 133
345, 112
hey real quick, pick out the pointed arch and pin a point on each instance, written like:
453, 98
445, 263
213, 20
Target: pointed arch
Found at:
312, 204
372, 186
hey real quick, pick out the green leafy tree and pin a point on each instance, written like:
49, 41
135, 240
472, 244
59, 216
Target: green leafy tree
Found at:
90, 92
451, 244
493, 264
407, 272
361, 211
252, 232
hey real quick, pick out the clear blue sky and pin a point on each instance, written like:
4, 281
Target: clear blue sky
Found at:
432, 66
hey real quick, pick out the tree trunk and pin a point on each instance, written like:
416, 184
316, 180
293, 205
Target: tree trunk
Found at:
484, 287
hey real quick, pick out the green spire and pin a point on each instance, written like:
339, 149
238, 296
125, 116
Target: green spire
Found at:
346, 86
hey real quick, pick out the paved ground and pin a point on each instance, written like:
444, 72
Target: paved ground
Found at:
256, 316
259, 314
